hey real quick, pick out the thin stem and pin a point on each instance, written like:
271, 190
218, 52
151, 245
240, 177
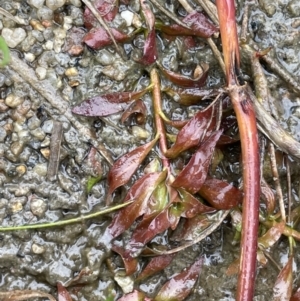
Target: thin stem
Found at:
158, 120
276, 181
66, 222
216, 53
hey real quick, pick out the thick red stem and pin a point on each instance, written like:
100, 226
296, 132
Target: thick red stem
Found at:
251, 179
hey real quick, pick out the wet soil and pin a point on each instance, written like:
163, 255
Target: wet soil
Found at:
38, 259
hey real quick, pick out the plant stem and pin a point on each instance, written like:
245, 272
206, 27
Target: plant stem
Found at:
66, 222
158, 120
245, 114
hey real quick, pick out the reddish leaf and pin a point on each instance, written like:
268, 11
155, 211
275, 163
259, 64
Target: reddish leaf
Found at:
192, 206
94, 162
224, 140
199, 24
129, 262
194, 174
271, 236
220, 194
192, 96
296, 296
268, 196
107, 104
107, 9
180, 286
191, 134
125, 167
62, 293
155, 265
282, 290
136, 110
98, 38
134, 296
140, 192
150, 50
185, 81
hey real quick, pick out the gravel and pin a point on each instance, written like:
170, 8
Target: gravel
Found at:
38, 259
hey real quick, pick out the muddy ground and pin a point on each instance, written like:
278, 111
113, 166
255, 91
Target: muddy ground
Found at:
38, 259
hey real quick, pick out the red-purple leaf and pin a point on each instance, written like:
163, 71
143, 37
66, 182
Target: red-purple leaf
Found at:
150, 50
107, 104
136, 110
180, 286
199, 24
62, 293
94, 163
129, 262
107, 9
282, 290
185, 81
98, 38
194, 174
192, 96
134, 296
140, 192
155, 265
271, 236
125, 167
191, 134
220, 194
191, 205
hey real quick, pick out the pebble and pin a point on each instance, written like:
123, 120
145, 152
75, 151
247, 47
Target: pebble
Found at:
55, 4
29, 57
127, 15
40, 169
44, 13
36, 3
38, 207
33, 122
71, 72
294, 8
3, 134
37, 249
17, 147
39, 134
41, 72
13, 37
48, 126
13, 101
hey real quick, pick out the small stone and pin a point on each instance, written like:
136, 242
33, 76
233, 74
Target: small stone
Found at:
40, 169
3, 134
127, 15
13, 37
15, 206
37, 25
13, 101
140, 133
41, 72
38, 207
55, 4
67, 22
33, 122
17, 147
48, 45
294, 8
48, 126
21, 169
36, 3
45, 142
29, 57
76, 3
45, 152
39, 134
71, 72
44, 13
37, 249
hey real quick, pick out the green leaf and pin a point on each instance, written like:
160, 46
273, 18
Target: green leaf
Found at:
91, 182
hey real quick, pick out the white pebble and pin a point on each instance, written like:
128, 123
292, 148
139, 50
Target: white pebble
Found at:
55, 4
67, 22
29, 57
13, 101
41, 72
37, 249
127, 15
13, 37
48, 45
36, 3
38, 207
40, 169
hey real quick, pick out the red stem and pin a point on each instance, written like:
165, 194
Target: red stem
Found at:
251, 177
243, 108
160, 128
